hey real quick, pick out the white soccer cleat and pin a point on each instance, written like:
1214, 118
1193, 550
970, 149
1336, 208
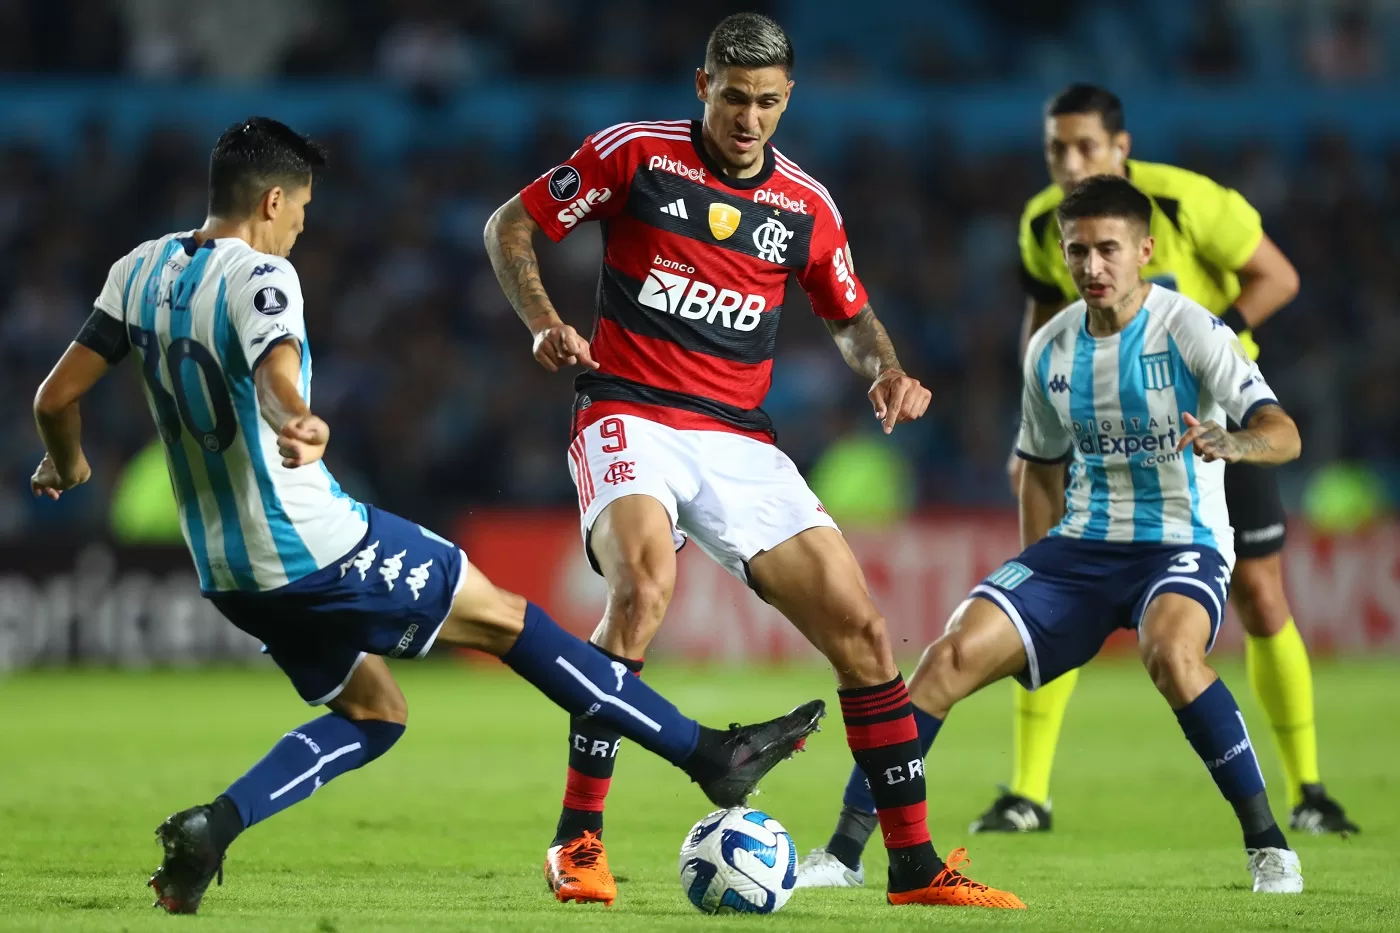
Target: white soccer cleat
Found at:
1275, 871
821, 869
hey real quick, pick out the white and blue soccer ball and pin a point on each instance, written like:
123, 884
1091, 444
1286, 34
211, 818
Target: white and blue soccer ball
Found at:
738, 861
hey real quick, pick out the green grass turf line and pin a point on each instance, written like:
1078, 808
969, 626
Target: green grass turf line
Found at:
448, 831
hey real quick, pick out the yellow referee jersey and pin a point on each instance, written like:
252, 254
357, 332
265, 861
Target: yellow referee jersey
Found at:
1203, 231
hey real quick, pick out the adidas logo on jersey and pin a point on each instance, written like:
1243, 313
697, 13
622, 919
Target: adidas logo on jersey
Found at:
694, 299
676, 209
779, 199
676, 167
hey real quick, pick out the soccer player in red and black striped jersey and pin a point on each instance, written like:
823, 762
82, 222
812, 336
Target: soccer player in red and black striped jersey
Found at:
704, 222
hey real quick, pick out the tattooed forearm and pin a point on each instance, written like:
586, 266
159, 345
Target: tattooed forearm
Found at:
1272, 438
864, 344
510, 246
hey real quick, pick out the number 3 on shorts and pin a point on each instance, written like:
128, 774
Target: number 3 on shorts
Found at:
1186, 562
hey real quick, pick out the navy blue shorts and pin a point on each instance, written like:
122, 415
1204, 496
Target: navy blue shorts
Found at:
1066, 596
388, 596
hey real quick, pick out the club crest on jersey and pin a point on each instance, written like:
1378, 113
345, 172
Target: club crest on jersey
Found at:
771, 239
269, 300
724, 220
564, 183
1156, 370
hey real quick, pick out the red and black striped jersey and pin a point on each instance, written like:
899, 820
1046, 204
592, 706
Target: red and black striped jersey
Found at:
695, 268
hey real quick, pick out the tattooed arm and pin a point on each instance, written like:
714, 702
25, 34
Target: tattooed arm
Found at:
510, 246
867, 349
1270, 439
864, 343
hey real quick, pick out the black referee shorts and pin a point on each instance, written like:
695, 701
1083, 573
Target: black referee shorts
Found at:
1256, 509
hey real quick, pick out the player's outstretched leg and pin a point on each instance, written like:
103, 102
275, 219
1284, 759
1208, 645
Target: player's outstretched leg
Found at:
368, 716
727, 764
1173, 637
814, 580
1279, 672
632, 542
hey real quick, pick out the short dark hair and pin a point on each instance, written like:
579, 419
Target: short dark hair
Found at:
1088, 98
255, 156
748, 40
1106, 196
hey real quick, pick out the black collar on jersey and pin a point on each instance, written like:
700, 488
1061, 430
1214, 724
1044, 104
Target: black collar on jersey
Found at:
192, 245
742, 184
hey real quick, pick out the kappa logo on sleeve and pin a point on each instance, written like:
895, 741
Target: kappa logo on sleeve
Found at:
270, 300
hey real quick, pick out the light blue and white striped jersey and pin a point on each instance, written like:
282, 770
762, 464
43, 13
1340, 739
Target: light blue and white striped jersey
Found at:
1114, 404
201, 318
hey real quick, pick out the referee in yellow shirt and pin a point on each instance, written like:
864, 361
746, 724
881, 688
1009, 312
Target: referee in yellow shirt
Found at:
1211, 247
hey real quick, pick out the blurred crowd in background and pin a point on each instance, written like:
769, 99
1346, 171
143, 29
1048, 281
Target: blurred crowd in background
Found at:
928, 41
424, 372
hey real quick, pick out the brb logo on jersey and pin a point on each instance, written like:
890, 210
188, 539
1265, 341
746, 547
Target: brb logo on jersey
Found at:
779, 199
676, 167
690, 298
771, 239
582, 207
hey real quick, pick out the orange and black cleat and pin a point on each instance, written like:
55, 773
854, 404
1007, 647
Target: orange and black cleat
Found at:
952, 888
578, 871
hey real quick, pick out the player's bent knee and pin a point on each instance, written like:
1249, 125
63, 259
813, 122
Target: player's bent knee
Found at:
639, 599
1177, 667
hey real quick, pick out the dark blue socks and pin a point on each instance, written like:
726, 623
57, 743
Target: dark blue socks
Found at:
1215, 728
587, 683
306, 758
858, 796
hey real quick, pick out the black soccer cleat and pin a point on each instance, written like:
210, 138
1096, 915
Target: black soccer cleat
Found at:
1319, 814
192, 860
1012, 813
745, 754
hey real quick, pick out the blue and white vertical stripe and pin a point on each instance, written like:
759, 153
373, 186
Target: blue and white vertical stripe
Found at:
1120, 401
250, 523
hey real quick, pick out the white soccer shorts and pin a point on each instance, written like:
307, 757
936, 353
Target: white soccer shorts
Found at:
734, 495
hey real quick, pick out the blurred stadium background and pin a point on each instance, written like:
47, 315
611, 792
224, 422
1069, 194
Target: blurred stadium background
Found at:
923, 118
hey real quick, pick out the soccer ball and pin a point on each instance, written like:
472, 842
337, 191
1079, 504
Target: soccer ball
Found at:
738, 861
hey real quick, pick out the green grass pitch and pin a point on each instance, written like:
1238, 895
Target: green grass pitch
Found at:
447, 832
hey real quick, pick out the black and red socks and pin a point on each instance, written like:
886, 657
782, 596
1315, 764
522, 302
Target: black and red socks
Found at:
884, 739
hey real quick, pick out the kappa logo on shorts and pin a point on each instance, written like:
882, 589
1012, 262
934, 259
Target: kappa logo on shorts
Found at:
1011, 575
418, 578
621, 471
361, 561
406, 640
391, 568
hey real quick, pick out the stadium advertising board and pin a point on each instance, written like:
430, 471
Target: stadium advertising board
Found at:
133, 607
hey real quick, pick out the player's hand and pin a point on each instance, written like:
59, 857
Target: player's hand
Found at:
48, 481
1210, 440
303, 440
898, 397
1015, 469
559, 346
